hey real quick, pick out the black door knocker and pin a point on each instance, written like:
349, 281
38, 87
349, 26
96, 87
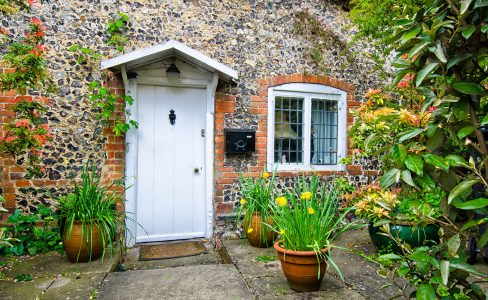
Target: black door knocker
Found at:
172, 117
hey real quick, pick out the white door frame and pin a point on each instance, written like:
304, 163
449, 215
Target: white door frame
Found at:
131, 155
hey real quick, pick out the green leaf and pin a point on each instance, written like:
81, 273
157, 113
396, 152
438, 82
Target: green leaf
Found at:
465, 5
472, 204
399, 153
453, 245
484, 28
407, 178
457, 59
485, 120
417, 48
466, 267
425, 292
408, 134
389, 178
424, 73
468, 87
439, 52
480, 3
445, 271
436, 140
465, 131
389, 256
410, 34
468, 31
460, 188
456, 161
437, 161
483, 240
415, 164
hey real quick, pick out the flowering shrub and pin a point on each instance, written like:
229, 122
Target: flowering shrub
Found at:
27, 58
374, 204
379, 121
26, 134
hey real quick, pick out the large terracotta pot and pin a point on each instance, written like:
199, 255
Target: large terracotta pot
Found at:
261, 236
78, 247
406, 233
302, 268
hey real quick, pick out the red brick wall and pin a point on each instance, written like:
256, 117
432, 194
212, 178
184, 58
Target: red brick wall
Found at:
12, 176
226, 175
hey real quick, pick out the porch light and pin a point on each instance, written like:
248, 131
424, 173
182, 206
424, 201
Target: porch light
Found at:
173, 73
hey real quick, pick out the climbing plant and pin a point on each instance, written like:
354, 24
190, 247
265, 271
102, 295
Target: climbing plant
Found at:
102, 98
26, 133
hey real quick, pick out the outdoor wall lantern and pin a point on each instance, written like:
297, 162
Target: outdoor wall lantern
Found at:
173, 73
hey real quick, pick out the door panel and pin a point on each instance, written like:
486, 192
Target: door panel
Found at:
170, 195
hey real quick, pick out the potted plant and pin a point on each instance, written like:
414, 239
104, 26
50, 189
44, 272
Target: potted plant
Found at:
256, 196
308, 221
90, 217
410, 214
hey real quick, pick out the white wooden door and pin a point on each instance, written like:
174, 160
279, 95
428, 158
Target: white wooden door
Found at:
170, 168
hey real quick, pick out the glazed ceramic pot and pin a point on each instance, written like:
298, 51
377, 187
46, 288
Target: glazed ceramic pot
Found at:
261, 235
406, 232
303, 270
79, 246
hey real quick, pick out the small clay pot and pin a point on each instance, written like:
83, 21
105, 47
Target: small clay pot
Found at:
78, 247
301, 268
261, 236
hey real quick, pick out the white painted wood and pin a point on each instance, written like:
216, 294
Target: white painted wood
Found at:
170, 196
190, 77
308, 91
169, 49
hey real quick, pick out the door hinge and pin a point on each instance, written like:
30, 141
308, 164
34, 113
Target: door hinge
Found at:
202, 132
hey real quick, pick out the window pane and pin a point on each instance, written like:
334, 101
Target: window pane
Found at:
288, 130
323, 149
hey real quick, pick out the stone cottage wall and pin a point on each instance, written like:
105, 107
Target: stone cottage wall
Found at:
259, 39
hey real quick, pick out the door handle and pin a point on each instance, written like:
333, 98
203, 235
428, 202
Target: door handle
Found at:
196, 170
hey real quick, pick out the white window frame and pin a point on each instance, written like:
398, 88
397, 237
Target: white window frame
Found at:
307, 91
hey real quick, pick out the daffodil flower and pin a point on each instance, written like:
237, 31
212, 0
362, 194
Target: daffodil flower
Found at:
281, 201
311, 211
306, 195
249, 230
243, 201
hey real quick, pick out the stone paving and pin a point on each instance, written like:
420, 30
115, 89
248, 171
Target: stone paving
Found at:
54, 277
196, 277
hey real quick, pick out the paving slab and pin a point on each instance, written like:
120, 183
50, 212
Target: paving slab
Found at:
188, 282
74, 287
11, 290
53, 263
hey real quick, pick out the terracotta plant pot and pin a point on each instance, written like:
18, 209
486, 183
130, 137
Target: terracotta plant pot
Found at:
406, 233
261, 236
301, 268
78, 246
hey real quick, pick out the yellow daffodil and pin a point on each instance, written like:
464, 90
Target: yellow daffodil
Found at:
311, 211
249, 230
243, 201
282, 232
306, 195
281, 201
265, 175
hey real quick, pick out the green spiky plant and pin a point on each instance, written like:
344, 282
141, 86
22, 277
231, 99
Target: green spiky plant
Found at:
309, 219
256, 197
93, 204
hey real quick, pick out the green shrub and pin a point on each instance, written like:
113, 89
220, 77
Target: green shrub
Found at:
31, 236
